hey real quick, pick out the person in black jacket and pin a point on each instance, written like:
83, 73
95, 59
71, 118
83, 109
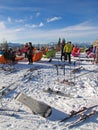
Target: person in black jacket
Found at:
12, 56
9, 55
62, 48
30, 53
6, 54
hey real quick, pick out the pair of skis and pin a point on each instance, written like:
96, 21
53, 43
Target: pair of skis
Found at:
57, 92
82, 117
9, 69
9, 112
77, 69
73, 113
5, 90
29, 75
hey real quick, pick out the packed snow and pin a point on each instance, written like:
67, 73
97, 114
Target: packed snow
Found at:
80, 89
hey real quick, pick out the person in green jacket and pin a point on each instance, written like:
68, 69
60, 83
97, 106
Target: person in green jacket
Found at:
67, 50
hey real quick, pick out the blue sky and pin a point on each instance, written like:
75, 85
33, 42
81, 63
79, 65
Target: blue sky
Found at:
44, 21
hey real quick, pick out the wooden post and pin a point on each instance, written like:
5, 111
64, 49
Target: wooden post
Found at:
97, 54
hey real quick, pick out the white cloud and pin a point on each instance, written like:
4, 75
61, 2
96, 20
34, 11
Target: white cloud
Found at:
53, 19
34, 25
19, 20
80, 27
81, 32
8, 35
41, 24
2, 25
37, 25
9, 19
18, 29
37, 14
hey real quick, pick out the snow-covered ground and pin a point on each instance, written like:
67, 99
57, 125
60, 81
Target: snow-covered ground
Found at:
81, 90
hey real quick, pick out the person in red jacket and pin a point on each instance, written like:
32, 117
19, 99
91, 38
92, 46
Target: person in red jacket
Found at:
25, 50
76, 51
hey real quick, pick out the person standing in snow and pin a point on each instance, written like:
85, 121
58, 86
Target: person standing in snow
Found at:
25, 49
67, 50
30, 53
62, 48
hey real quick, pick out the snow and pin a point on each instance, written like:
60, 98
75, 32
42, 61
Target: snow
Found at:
43, 75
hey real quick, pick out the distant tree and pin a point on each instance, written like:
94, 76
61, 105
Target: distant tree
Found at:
58, 45
59, 42
4, 44
63, 40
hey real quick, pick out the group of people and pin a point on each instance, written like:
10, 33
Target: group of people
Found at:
90, 52
28, 51
10, 54
66, 49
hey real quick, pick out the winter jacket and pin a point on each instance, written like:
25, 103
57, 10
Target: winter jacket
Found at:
68, 48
